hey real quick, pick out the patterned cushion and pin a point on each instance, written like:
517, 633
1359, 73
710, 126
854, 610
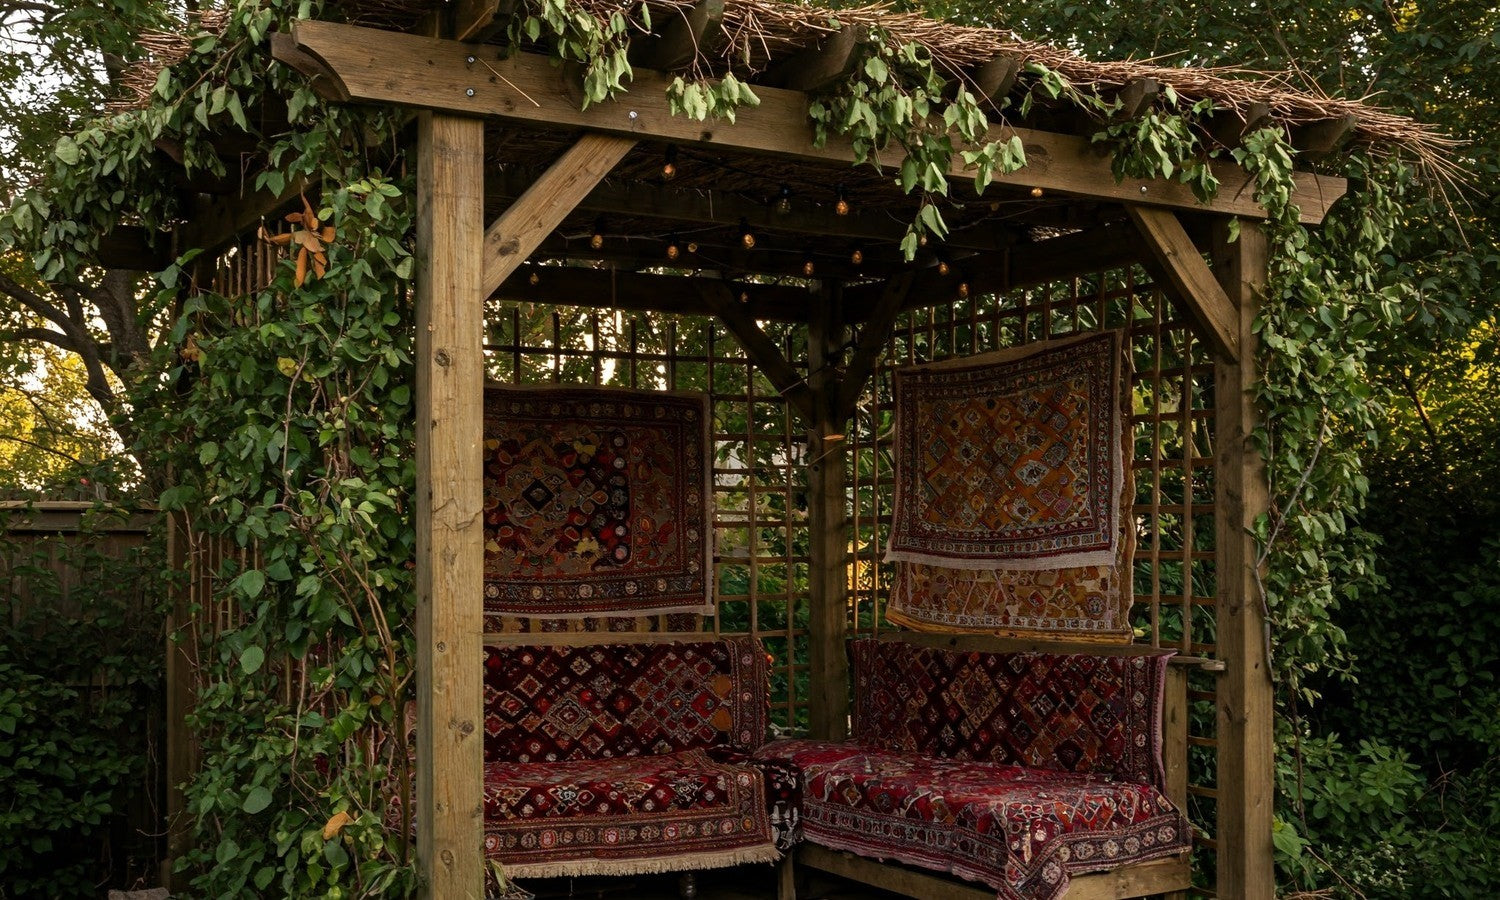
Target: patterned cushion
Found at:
1066, 712
601, 701
616, 816
1022, 831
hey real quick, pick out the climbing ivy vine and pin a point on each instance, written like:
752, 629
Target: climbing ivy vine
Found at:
286, 414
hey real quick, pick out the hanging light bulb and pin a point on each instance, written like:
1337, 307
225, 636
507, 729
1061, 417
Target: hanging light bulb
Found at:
857, 257
596, 240
942, 267
1036, 192
841, 206
921, 240
807, 266
673, 250
669, 167
534, 278
747, 237
963, 289
784, 201
744, 297
692, 246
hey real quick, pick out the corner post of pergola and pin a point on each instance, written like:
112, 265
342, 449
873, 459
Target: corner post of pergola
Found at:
827, 513
1246, 749
449, 506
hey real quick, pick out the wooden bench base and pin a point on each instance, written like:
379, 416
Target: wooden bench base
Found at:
1156, 877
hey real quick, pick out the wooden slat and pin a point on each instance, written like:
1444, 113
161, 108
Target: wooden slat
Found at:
832, 59
1174, 735
449, 501
385, 67
1245, 709
1188, 277
1128, 881
181, 665
523, 226
678, 39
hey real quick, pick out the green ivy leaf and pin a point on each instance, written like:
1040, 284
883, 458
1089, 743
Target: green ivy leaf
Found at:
259, 797
252, 659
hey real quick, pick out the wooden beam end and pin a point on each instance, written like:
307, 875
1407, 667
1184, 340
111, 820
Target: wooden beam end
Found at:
288, 49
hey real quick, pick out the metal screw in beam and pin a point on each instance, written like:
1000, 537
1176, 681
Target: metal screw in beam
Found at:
468, 92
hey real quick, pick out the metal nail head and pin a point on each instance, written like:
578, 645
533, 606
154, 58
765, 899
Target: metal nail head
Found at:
634, 115
469, 92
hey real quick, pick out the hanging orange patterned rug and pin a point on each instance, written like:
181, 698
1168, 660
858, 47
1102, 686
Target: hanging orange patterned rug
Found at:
596, 502
1012, 460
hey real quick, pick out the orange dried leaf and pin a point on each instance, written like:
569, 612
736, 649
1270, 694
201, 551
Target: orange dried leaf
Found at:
335, 824
301, 268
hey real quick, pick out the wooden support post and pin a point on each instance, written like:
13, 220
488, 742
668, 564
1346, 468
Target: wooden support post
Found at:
1245, 727
181, 664
450, 550
828, 519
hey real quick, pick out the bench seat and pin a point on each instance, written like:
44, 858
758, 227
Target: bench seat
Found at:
1021, 831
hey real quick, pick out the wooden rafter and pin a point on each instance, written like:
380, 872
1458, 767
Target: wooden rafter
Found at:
1187, 277
994, 79
720, 300
820, 65
680, 38
550, 199
873, 337
475, 20
384, 67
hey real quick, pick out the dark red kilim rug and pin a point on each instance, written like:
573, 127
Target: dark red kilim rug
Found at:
1011, 459
596, 502
1021, 831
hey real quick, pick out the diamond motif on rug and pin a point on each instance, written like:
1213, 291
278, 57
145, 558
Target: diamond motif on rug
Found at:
596, 502
1012, 459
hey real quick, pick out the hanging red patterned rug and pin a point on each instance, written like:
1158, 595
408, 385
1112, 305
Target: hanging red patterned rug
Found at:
596, 502
1012, 460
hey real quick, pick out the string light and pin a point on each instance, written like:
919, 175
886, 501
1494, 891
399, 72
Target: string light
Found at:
692, 246
747, 237
841, 206
942, 267
963, 289
597, 239
669, 167
784, 201
857, 257
807, 266
673, 251
1036, 192
534, 278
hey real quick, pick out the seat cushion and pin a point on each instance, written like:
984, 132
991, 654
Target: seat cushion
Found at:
625, 816
1022, 831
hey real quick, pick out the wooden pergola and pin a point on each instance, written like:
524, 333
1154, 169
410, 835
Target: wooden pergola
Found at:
488, 213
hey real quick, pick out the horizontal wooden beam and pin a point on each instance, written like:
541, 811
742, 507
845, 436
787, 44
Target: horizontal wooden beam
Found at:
223, 219
635, 292
376, 66
651, 201
634, 254
1188, 278
1025, 265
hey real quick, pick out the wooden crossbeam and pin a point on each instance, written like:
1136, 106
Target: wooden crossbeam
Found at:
1229, 127
377, 66
768, 357
610, 289
1136, 97
816, 67
680, 38
994, 79
1188, 278
722, 260
1027, 265
873, 337
475, 20
1322, 138
549, 200
650, 201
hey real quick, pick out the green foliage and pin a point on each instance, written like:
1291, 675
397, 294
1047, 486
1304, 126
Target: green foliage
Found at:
80, 671
893, 98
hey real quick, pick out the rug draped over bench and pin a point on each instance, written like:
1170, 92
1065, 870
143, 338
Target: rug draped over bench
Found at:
1017, 770
613, 759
